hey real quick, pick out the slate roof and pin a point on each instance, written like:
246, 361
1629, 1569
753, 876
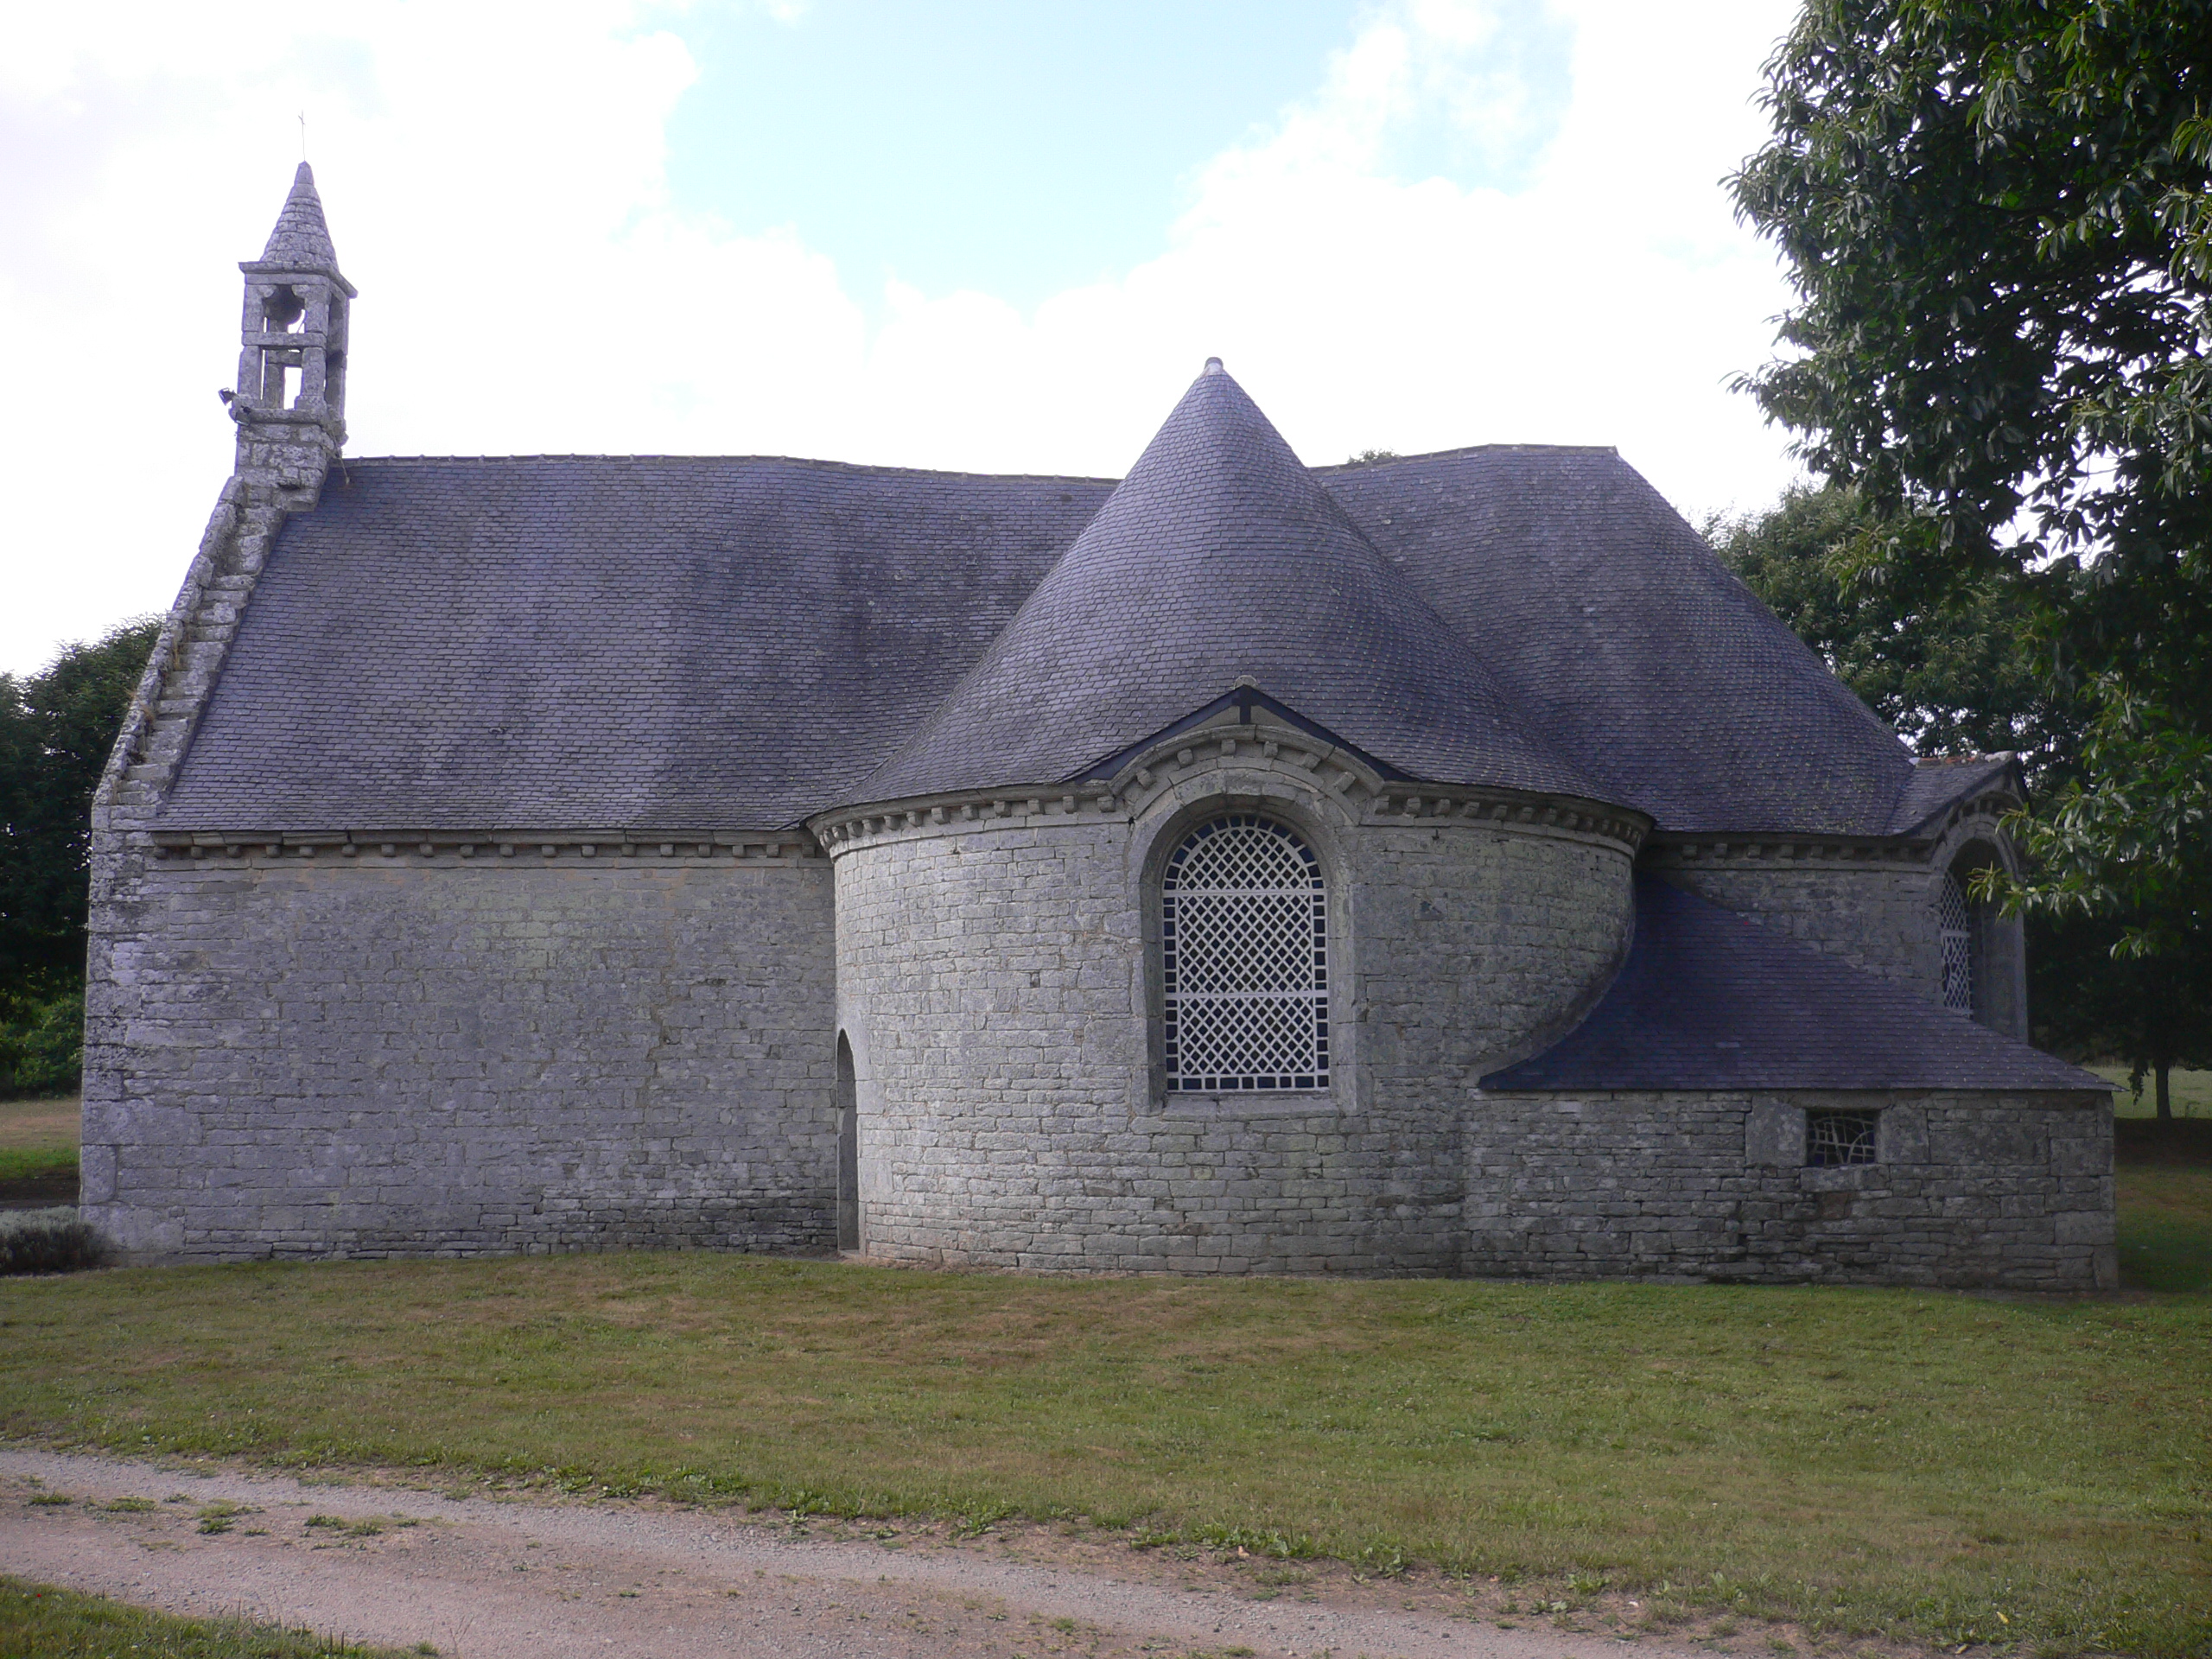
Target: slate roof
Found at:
1219, 558
300, 239
656, 642
1940, 782
1708, 999
739, 643
1627, 641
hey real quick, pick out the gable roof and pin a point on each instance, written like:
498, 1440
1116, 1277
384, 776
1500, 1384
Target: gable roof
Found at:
1708, 999
600, 642
1219, 560
720, 643
1627, 642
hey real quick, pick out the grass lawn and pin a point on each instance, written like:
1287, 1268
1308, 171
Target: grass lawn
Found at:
2164, 1176
2191, 1092
1945, 1468
38, 1139
36, 1619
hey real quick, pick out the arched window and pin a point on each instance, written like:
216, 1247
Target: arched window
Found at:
1243, 929
1954, 925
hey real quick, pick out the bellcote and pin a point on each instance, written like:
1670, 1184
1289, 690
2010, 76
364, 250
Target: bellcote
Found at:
289, 402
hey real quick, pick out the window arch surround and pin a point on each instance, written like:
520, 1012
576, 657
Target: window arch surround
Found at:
1246, 936
1979, 950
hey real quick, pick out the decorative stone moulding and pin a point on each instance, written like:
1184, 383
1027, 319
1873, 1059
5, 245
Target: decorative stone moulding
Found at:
414, 847
1982, 812
1796, 852
1235, 755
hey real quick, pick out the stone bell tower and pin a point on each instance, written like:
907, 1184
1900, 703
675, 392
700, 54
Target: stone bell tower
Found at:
290, 403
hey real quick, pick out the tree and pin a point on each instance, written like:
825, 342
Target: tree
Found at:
56, 729
1960, 675
1951, 676
1997, 215
2154, 1012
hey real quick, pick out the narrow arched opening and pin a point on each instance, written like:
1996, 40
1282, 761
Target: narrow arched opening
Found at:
849, 1148
1978, 946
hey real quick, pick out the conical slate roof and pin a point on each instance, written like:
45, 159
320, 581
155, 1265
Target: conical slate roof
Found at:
301, 240
1219, 558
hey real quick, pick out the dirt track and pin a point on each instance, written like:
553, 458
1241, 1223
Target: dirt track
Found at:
483, 1579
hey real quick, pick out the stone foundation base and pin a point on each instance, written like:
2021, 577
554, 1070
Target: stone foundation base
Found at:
2008, 1192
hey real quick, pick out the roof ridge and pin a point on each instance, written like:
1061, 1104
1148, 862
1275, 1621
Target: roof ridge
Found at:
791, 461
1473, 449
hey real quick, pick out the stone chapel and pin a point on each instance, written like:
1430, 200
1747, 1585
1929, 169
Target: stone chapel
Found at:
1435, 865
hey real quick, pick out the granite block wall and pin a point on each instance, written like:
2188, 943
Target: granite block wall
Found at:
997, 981
1968, 1190
396, 1056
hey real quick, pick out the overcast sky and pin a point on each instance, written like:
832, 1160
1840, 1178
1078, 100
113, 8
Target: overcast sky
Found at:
991, 235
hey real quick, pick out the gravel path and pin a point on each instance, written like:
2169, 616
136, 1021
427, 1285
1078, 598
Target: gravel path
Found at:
487, 1578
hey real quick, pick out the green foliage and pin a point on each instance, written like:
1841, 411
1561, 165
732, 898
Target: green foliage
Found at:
1951, 673
37, 1618
41, 1044
1959, 670
56, 729
1998, 218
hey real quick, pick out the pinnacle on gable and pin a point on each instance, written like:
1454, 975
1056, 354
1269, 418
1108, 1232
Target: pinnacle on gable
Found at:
300, 239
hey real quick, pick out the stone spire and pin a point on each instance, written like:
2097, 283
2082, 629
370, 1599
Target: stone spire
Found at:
300, 240
289, 402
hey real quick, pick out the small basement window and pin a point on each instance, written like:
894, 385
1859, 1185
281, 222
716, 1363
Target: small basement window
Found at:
1835, 1139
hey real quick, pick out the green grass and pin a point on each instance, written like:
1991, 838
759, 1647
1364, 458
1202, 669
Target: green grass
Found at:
36, 1621
1942, 1468
38, 1139
2191, 1092
37, 1164
2163, 1181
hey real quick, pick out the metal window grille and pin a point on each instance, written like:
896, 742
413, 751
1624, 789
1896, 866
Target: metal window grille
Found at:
1835, 1138
1954, 925
1244, 937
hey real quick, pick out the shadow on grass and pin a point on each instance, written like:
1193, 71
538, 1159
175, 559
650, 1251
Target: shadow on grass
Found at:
2164, 1173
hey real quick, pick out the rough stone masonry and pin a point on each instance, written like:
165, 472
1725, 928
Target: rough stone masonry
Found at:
510, 855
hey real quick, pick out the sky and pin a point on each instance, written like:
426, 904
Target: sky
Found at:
981, 235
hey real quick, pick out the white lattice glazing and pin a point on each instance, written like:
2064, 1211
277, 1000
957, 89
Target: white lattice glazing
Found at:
1954, 925
1244, 946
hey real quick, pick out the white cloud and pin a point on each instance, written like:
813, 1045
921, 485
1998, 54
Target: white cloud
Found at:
527, 287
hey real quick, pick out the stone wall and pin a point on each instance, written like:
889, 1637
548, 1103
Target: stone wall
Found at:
1871, 903
1879, 918
327, 1056
2010, 1191
997, 981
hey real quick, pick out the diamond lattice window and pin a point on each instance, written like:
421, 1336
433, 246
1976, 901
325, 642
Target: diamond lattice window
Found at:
1835, 1138
1244, 937
1954, 926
